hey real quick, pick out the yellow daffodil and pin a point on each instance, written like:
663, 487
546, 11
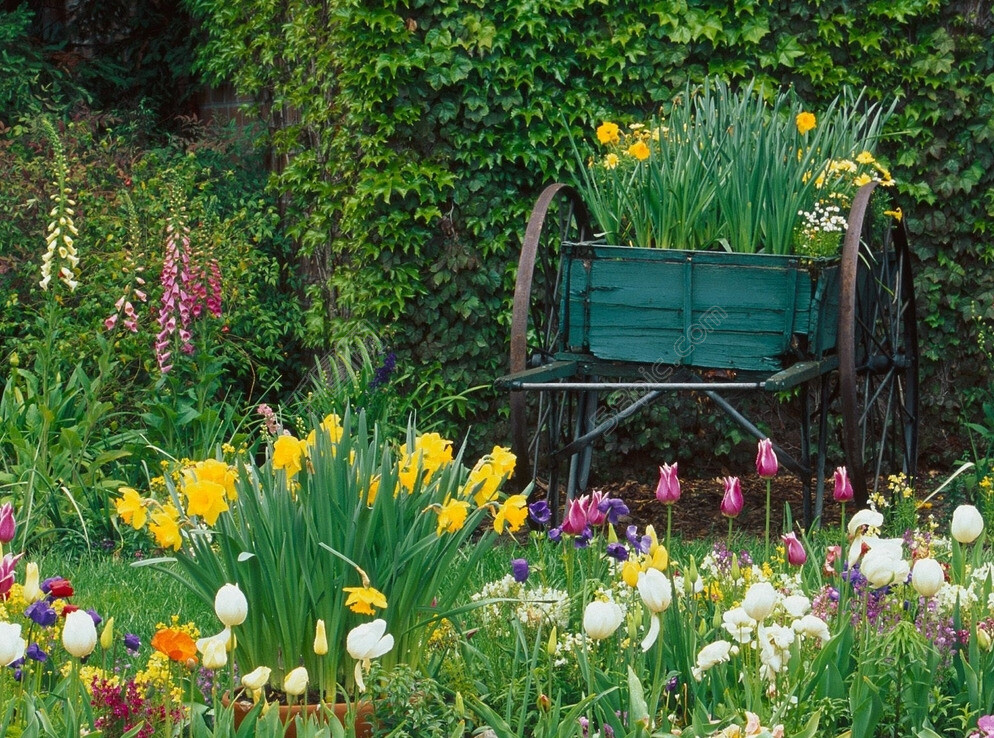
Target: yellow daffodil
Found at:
503, 461
806, 122
131, 508
362, 600
896, 215
212, 470
165, 527
332, 425
512, 514
374, 488
484, 480
451, 516
639, 150
288, 454
608, 133
205, 499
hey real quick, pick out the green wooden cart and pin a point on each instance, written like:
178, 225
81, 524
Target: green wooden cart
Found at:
591, 318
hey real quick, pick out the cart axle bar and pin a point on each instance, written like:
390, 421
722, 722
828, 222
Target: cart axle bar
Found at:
649, 386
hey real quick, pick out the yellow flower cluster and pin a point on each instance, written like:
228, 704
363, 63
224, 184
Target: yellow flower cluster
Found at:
430, 453
630, 146
487, 475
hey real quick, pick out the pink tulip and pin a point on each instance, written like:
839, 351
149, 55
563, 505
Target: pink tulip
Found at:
7, 523
796, 555
7, 564
576, 516
594, 515
766, 460
843, 488
732, 502
668, 489
832, 554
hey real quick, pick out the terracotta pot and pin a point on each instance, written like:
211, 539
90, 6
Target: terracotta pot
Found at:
363, 724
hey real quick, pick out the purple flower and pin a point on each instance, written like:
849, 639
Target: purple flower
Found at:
96, 618
556, 535
617, 551
540, 512
613, 508
519, 569
35, 652
382, 374
42, 613
132, 642
582, 539
642, 544
668, 489
7, 523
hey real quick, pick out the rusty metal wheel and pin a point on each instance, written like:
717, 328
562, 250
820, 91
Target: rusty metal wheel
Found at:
878, 347
543, 421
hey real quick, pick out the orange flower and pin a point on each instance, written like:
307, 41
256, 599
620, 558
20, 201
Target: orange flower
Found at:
640, 150
175, 644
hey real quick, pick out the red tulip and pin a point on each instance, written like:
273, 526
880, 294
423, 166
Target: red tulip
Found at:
732, 502
796, 555
843, 488
668, 489
766, 460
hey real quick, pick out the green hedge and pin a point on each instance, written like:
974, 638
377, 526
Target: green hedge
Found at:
415, 137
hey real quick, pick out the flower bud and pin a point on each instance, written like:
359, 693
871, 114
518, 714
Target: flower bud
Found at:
7, 523
107, 636
668, 488
601, 619
759, 601
320, 639
257, 678
967, 524
796, 555
230, 605
927, 577
984, 639
843, 491
79, 634
32, 589
732, 501
655, 590
295, 682
766, 460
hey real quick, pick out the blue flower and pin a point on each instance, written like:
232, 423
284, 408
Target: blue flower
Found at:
613, 508
617, 551
42, 613
540, 512
519, 569
34, 651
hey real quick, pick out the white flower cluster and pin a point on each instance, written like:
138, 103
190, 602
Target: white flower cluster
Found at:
532, 606
769, 622
823, 219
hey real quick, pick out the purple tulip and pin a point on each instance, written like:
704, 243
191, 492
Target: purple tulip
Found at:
732, 502
796, 555
519, 569
668, 489
132, 642
95, 617
7, 523
766, 460
540, 512
843, 488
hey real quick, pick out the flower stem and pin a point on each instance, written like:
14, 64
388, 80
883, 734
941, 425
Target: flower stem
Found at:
768, 519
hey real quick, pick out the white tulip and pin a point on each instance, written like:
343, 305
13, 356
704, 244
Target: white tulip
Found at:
31, 591
655, 590
927, 577
967, 524
813, 626
79, 634
215, 649
295, 682
759, 601
11, 644
257, 678
601, 619
796, 605
712, 655
230, 605
884, 563
367, 641
738, 624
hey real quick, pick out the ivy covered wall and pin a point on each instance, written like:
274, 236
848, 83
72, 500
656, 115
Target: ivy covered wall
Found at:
414, 136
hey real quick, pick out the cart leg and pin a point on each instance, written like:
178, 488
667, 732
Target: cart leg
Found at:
822, 448
806, 454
